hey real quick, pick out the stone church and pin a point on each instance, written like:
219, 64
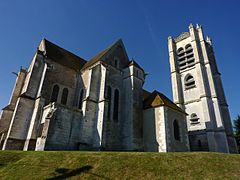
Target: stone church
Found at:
63, 102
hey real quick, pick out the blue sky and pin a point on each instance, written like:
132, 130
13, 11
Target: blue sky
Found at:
86, 27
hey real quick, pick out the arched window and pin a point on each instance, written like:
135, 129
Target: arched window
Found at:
188, 47
194, 118
185, 58
189, 82
116, 62
116, 105
80, 99
180, 51
109, 97
181, 58
176, 130
55, 92
189, 55
64, 96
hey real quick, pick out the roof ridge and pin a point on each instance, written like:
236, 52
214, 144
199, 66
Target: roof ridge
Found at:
97, 58
133, 62
164, 100
62, 56
57, 46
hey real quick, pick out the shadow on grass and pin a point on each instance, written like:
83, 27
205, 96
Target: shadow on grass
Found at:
66, 173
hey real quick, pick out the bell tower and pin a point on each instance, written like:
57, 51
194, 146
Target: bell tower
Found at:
197, 89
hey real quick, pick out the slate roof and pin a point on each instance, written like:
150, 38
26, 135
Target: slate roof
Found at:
134, 63
96, 58
63, 56
146, 94
156, 99
66, 58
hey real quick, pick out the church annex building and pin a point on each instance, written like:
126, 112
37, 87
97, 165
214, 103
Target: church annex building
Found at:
63, 102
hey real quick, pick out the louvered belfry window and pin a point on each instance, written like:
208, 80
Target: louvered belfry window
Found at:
189, 82
185, 57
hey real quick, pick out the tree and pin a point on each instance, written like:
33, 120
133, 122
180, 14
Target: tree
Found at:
237, 131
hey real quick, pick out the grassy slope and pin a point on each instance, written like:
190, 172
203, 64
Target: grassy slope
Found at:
113, 165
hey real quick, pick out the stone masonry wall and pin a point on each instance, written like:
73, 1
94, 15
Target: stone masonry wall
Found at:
64, 129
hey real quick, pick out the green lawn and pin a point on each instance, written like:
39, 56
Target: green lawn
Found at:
116, 165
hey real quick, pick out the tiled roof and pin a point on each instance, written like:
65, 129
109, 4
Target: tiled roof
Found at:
63, 56
156, 99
